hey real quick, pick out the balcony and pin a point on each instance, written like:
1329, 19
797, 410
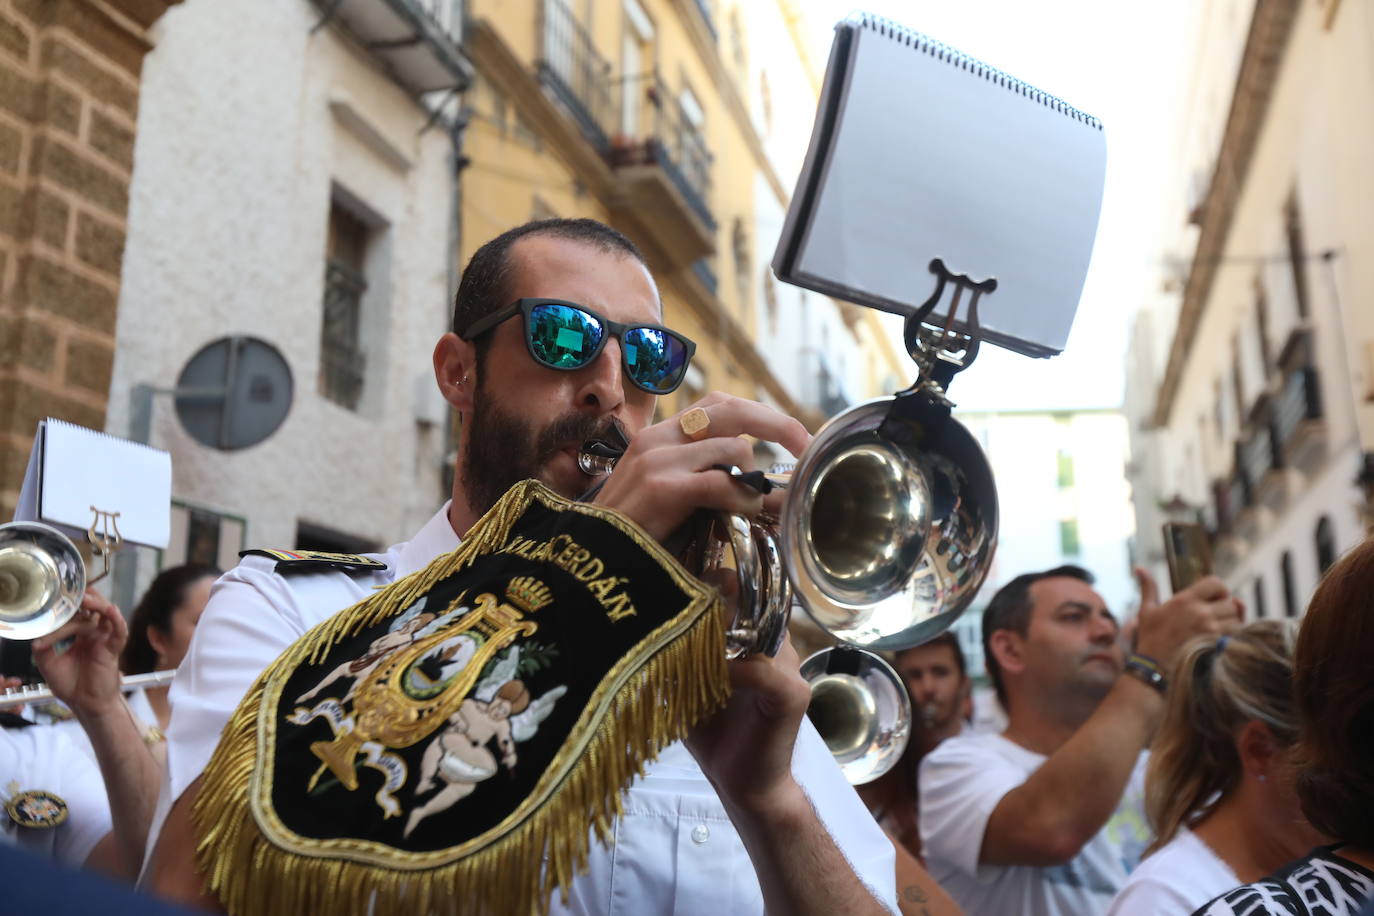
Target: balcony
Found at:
659, 162
1260, 458
576, 75
419, 41
663, 169
1298, 423
830, 396
707, 18
704, 272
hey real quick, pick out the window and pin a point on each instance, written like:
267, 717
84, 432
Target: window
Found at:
1326, 545
1297, 252
770, 299
1262, 324
637, 64
1290, 603
743, 270
1237, 381
1065, 470
1068, 537
766, 102
737, 45
1260, 610
341, 357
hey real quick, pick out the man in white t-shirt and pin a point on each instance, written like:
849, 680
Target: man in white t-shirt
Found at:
750, 813
1046, 818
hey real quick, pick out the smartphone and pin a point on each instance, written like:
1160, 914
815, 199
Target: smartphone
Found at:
1188, 553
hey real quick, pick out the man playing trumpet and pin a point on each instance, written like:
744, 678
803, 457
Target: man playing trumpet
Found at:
556, 338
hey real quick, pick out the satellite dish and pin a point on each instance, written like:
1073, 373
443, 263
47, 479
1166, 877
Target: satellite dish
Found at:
235, 392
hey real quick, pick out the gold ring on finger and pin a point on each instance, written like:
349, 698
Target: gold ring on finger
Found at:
695, 424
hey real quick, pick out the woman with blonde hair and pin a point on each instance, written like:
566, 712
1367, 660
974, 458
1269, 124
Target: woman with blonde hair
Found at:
1219, 786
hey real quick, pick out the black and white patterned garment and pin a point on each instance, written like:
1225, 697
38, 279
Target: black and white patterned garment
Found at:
1323, 884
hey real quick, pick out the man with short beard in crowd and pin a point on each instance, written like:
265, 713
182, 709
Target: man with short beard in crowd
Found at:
1046, 819
753, 793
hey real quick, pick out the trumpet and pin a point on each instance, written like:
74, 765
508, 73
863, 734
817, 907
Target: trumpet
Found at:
887, 532
42, 579
41, 693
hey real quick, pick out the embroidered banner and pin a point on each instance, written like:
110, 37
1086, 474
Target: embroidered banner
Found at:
447, 744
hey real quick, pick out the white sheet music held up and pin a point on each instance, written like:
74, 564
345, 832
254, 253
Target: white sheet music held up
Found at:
920, 152
72, 468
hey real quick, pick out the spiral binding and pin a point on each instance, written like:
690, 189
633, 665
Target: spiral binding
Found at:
944, 52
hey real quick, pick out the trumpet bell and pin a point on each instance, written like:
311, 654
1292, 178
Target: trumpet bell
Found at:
42, 578
860, 707
892, 535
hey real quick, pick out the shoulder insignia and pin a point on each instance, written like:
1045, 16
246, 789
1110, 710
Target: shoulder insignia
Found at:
37, 808
311, 560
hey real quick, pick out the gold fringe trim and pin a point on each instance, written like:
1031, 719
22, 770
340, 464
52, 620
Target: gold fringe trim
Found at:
517, 872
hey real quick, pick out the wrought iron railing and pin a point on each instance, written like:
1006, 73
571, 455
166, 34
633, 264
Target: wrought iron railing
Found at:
341, 359
705, 273
662, 134
1299, 400
446, 14
704, 7
578, 76
1259, 451
831, 399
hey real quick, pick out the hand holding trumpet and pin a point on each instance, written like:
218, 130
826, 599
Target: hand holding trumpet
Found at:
85, 675
667, 472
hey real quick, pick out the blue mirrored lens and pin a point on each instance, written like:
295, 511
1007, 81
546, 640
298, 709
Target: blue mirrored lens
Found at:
563, 337
655, 359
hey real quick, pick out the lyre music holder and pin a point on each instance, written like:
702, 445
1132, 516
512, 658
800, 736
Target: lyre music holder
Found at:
939, 351
103, 543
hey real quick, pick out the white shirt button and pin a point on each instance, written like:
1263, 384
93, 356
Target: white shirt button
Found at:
700, 834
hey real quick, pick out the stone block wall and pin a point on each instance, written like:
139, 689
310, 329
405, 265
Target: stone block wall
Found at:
69, 85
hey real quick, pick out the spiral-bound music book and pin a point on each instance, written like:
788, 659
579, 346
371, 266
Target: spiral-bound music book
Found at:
919, 151
74, 471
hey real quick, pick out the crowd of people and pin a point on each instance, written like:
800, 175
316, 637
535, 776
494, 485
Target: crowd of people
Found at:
1200, 764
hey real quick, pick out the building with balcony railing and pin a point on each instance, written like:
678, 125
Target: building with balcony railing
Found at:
295, 182
645, 114
1251, 387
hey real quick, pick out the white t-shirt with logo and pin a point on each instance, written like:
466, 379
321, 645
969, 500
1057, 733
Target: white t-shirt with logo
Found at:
1179, 877
961, 783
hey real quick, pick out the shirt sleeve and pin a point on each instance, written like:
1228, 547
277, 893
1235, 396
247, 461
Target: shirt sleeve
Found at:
251, 618
961, 783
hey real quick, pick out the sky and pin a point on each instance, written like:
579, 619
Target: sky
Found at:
1123, 63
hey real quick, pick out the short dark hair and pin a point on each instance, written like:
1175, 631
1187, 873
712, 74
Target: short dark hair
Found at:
485, 284
155, 609
1010, 609
948, 639
1333, 689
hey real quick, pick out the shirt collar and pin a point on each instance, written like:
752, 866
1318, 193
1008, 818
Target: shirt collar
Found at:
435, 538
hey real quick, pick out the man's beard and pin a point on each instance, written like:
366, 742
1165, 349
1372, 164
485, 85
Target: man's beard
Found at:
503, 450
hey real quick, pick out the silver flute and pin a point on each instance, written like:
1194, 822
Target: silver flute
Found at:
37, 693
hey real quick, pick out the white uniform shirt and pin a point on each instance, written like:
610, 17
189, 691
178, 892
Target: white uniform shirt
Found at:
1175, 880
675, 850
41, 757
962, 781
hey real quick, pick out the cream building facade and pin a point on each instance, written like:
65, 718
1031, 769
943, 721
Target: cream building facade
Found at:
1251, 375
294, 185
